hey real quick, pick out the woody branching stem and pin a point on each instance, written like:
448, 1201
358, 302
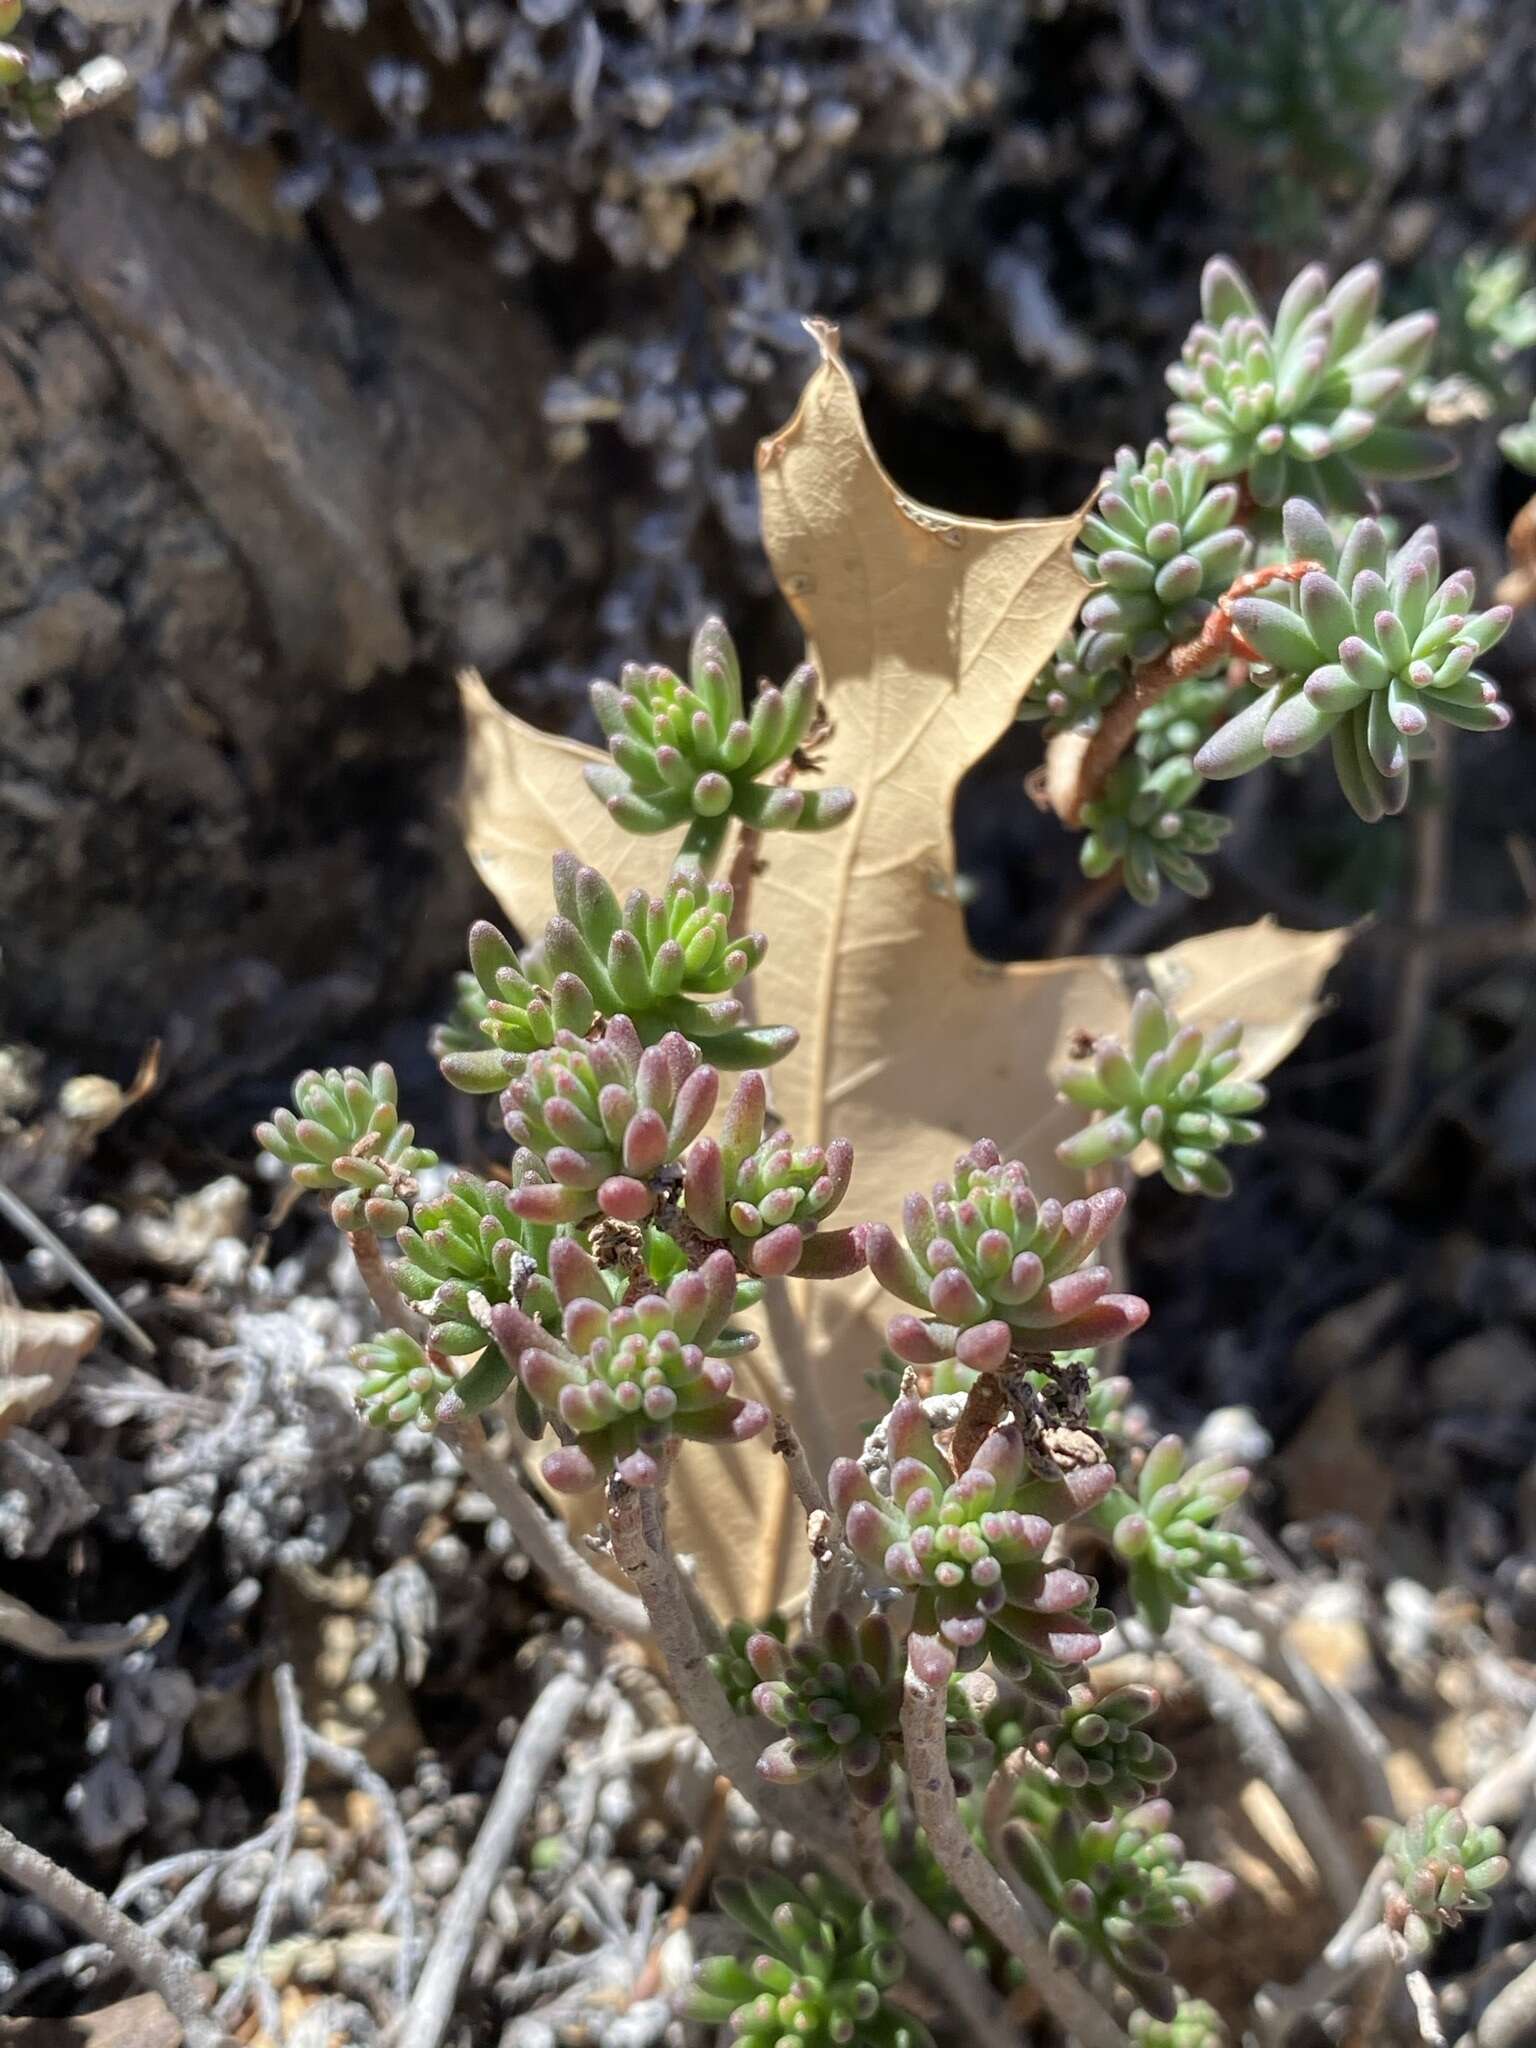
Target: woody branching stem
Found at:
1078, 765
982, 1887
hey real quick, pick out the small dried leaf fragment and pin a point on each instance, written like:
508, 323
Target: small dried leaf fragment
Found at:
39, 1351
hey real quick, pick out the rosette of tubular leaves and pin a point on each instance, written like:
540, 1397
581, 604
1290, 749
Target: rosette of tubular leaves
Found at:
1146, 822
1170, 1087
837, 1695
971, 1549
1183, 718
1094, 1749
689, 753
992, 1268
1319, 401
1365, 651
344, 1134
1164, 1528
766, 1197
819, 1968
606, 1116
1194, 2024
1066, 693
668, 962
1114, 1888
1442, 1867
623, 1381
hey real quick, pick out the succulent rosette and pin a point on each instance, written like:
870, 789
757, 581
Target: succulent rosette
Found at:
1162, 545
344, 1133
971, 1549
468, 1239
1147, 822
1365, 651
1443, 1866
1169, 1086
688, 753
766, 1196
605, 1115
992, 1266
818, 1972
1166, 1533
624, 1380
1099, 1754
1318, 401
399, 1383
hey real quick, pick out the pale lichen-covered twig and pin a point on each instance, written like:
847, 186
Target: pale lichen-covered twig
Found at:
397, 1904
134, 1946
388, 1301
539, 1742
1509, 2019
291, 1724
546, 1542
982, 1887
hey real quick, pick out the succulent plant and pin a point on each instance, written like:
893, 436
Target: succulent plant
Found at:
1100, 1756
1443, 1866
1184, 717
687, 753
1162, 543
767, 1196
347, 1135
1164, 1532
400, 1383
469, 1239
1067, 693
738, 1680
1146, 821
1170, 1087
1113, 1886
820, 1974
463, 1029
972, 1548
1194, 2024
1315, 402
991, 1266
1517, 444
838, 1696
1364, 651
624, 1380
605, 1115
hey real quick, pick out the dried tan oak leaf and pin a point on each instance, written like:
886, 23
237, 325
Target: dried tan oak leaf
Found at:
39, 1351
926, 630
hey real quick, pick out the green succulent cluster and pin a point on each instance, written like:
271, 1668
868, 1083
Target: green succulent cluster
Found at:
605, 1116
470, 1240
344, 1133
971, 1548
1312, 403
1183, 718
1066, 693
400, 1383
1170, 1086
1487, 307
1365, 651
1517, 444
766, 1196
732, 1668
1114, 1888
1098, 1753
667, 962
1165, 1531
990, 1265
838, 1697
689, 754
1146, 822
1443, 1866
624, 1380
819, 1972
1162, 544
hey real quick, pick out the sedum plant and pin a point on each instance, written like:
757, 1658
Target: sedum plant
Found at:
934, 1696
1171, 1087
1220, 632
1442, 1866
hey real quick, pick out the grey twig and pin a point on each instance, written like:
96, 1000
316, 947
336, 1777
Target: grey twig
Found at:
788, 1446
537, 1747
389, 1303
982, 1887
398, 1904
546, 1542
1510, 2017
1426, 2009
16, 1213
285, 1829
134, 1946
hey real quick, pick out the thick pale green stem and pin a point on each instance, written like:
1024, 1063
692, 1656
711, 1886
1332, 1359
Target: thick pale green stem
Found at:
703, 844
